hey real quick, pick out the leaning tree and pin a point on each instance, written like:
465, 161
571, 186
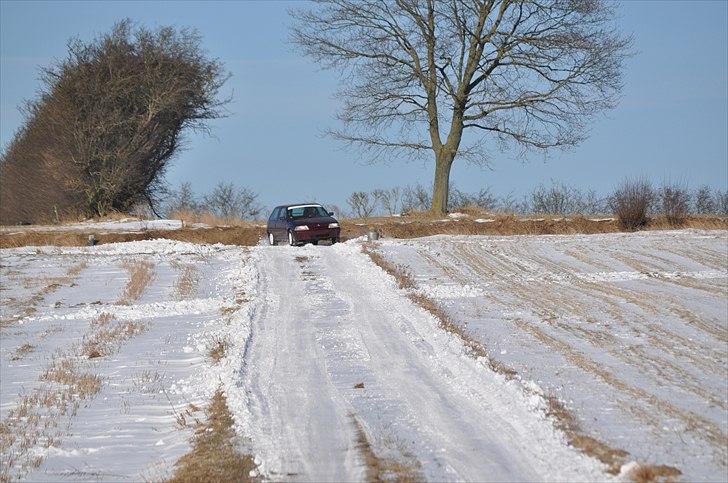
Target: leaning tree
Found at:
109, 118
459, 78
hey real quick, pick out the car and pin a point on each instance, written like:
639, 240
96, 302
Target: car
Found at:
302, 223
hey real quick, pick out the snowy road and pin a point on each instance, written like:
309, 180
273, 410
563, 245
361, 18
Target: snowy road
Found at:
332, 320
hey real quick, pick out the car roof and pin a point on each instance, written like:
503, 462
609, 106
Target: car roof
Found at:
297, 205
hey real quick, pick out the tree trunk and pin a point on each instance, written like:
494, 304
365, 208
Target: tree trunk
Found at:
441, 188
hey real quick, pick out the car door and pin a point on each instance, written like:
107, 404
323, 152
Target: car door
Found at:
273, 222
282, 227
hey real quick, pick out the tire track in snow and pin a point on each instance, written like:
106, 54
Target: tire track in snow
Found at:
332, 321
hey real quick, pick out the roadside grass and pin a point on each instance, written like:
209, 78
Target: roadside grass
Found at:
413, 225
243, 236
424, 224
382, 469
652, 473
140, 274
563, 419
405, 282
214, 456
612, 457
188, 217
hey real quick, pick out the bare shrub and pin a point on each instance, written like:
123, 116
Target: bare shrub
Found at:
362, 205
232, 202
721, 202
631, 202
674, 202
483, 199
703, 201
109, 118
509, 204
415, 198
555, 200
562, 199
389, 199
182, 200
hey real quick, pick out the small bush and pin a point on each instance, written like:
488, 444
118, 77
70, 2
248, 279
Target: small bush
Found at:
674, 202
362, 205
416, 199
483, 199
390, 199
631, 202
721, 202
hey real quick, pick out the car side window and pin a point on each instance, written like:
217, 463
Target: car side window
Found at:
282, 214
274, 215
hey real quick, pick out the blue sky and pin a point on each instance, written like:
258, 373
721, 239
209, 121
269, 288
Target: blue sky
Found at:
671, 124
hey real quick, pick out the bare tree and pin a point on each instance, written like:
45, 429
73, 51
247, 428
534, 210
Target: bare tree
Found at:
418, 74
362, 205
113, 113
232, 202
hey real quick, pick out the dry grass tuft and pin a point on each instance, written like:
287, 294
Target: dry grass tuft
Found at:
140, 274
186, 283
565, 421
652, 474
22, 351
103, 319
214, 456
65, 371
106, 341
218, 349
381, 469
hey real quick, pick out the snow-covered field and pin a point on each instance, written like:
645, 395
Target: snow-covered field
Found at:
333, 373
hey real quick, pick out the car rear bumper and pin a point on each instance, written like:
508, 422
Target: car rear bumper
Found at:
315, 235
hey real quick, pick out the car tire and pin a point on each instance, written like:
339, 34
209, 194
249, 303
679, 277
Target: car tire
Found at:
291, 240
334, 240
314, 242
271, 239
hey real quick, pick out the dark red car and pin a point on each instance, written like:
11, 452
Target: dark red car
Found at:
302, 223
